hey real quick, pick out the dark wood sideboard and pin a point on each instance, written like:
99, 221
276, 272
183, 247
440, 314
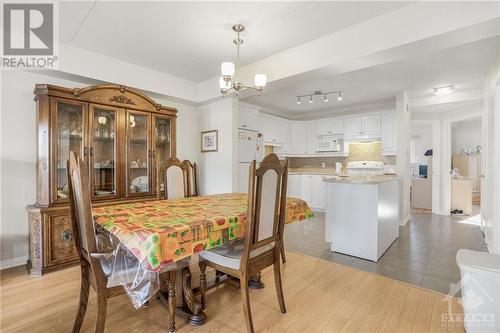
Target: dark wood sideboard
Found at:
119, 131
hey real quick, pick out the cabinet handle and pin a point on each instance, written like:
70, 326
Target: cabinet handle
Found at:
66, 235
154, 154
85, 151
91, 151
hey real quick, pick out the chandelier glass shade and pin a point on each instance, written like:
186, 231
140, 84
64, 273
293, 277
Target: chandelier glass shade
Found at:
228, 80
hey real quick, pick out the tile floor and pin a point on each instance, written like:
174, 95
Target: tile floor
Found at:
423, 255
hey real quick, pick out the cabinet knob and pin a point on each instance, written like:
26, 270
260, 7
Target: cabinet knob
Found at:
66, 235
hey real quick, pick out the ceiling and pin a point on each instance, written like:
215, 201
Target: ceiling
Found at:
190, 39
465, 66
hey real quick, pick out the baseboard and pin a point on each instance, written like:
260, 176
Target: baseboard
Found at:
8, 263
405, 220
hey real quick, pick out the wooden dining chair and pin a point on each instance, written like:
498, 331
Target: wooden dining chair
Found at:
261, 246
173, 175
191, 178
95, 269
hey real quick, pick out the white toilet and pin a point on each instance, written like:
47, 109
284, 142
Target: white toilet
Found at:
480, 283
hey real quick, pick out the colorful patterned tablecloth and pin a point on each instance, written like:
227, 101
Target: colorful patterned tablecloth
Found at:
165, 231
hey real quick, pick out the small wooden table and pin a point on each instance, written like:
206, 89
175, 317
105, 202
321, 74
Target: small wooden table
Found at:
164, 231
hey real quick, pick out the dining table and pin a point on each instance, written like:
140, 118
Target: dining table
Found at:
166, 233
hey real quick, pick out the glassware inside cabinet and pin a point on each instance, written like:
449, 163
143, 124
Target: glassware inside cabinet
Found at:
103, 152
162, 139
69, 131
138, 154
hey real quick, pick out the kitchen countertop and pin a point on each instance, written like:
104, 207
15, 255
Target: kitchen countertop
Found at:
362, 179
312, 171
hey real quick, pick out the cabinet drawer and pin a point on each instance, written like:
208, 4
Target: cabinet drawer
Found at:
61, 244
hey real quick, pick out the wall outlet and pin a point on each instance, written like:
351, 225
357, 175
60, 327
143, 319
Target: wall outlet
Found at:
323, 165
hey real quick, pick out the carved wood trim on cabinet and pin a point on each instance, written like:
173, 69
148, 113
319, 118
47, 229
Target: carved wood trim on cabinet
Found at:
51, 244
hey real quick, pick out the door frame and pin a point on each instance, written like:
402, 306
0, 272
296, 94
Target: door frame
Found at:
436, 161
446, 157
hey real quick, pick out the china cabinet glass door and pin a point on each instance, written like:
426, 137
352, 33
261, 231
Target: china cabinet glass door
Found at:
103, 151
162, 144
69, 120
138, 153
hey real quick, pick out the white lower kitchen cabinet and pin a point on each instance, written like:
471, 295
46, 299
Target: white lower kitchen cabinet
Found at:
294, 186
318, 192
310, 188
305, 192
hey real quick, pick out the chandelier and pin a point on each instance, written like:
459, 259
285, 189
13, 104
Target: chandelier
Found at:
228, 80
324, 94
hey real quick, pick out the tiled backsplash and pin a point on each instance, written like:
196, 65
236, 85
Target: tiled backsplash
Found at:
315, 162
366, 151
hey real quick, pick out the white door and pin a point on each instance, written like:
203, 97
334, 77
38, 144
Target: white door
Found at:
298, 138
318, 192
352, 126
370, 125
294, 186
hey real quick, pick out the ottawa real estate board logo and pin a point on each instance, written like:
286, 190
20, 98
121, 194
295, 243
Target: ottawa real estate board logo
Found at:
29, 36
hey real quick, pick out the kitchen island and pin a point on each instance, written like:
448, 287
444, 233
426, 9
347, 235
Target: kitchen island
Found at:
362, 214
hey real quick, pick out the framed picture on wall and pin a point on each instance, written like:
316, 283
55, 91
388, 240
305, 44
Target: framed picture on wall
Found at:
209, 141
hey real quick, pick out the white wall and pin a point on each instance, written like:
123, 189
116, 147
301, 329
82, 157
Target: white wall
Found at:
218, 170
465, 133
403, 117
18, 153
490, 189
422, 134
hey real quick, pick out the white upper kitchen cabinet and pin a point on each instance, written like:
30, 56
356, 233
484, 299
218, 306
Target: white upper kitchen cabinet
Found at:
352, 126
249, 118
337, 126
388, 132
276, 131
269, 129
330, 126
298, 138
311, 137
360, 126
370, 124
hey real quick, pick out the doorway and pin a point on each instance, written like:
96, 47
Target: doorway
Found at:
466, 169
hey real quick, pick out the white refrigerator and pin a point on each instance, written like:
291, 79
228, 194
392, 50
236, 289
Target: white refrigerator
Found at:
249, 148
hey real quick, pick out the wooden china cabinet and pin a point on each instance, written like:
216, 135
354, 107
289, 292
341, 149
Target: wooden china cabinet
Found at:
119, 132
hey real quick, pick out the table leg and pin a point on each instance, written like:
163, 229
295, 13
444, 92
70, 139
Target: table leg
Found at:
171, 301
192, 308
188, 306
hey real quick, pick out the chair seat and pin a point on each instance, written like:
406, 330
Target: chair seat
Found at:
230, 255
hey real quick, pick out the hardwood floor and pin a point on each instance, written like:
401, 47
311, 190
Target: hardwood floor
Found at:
320, 296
